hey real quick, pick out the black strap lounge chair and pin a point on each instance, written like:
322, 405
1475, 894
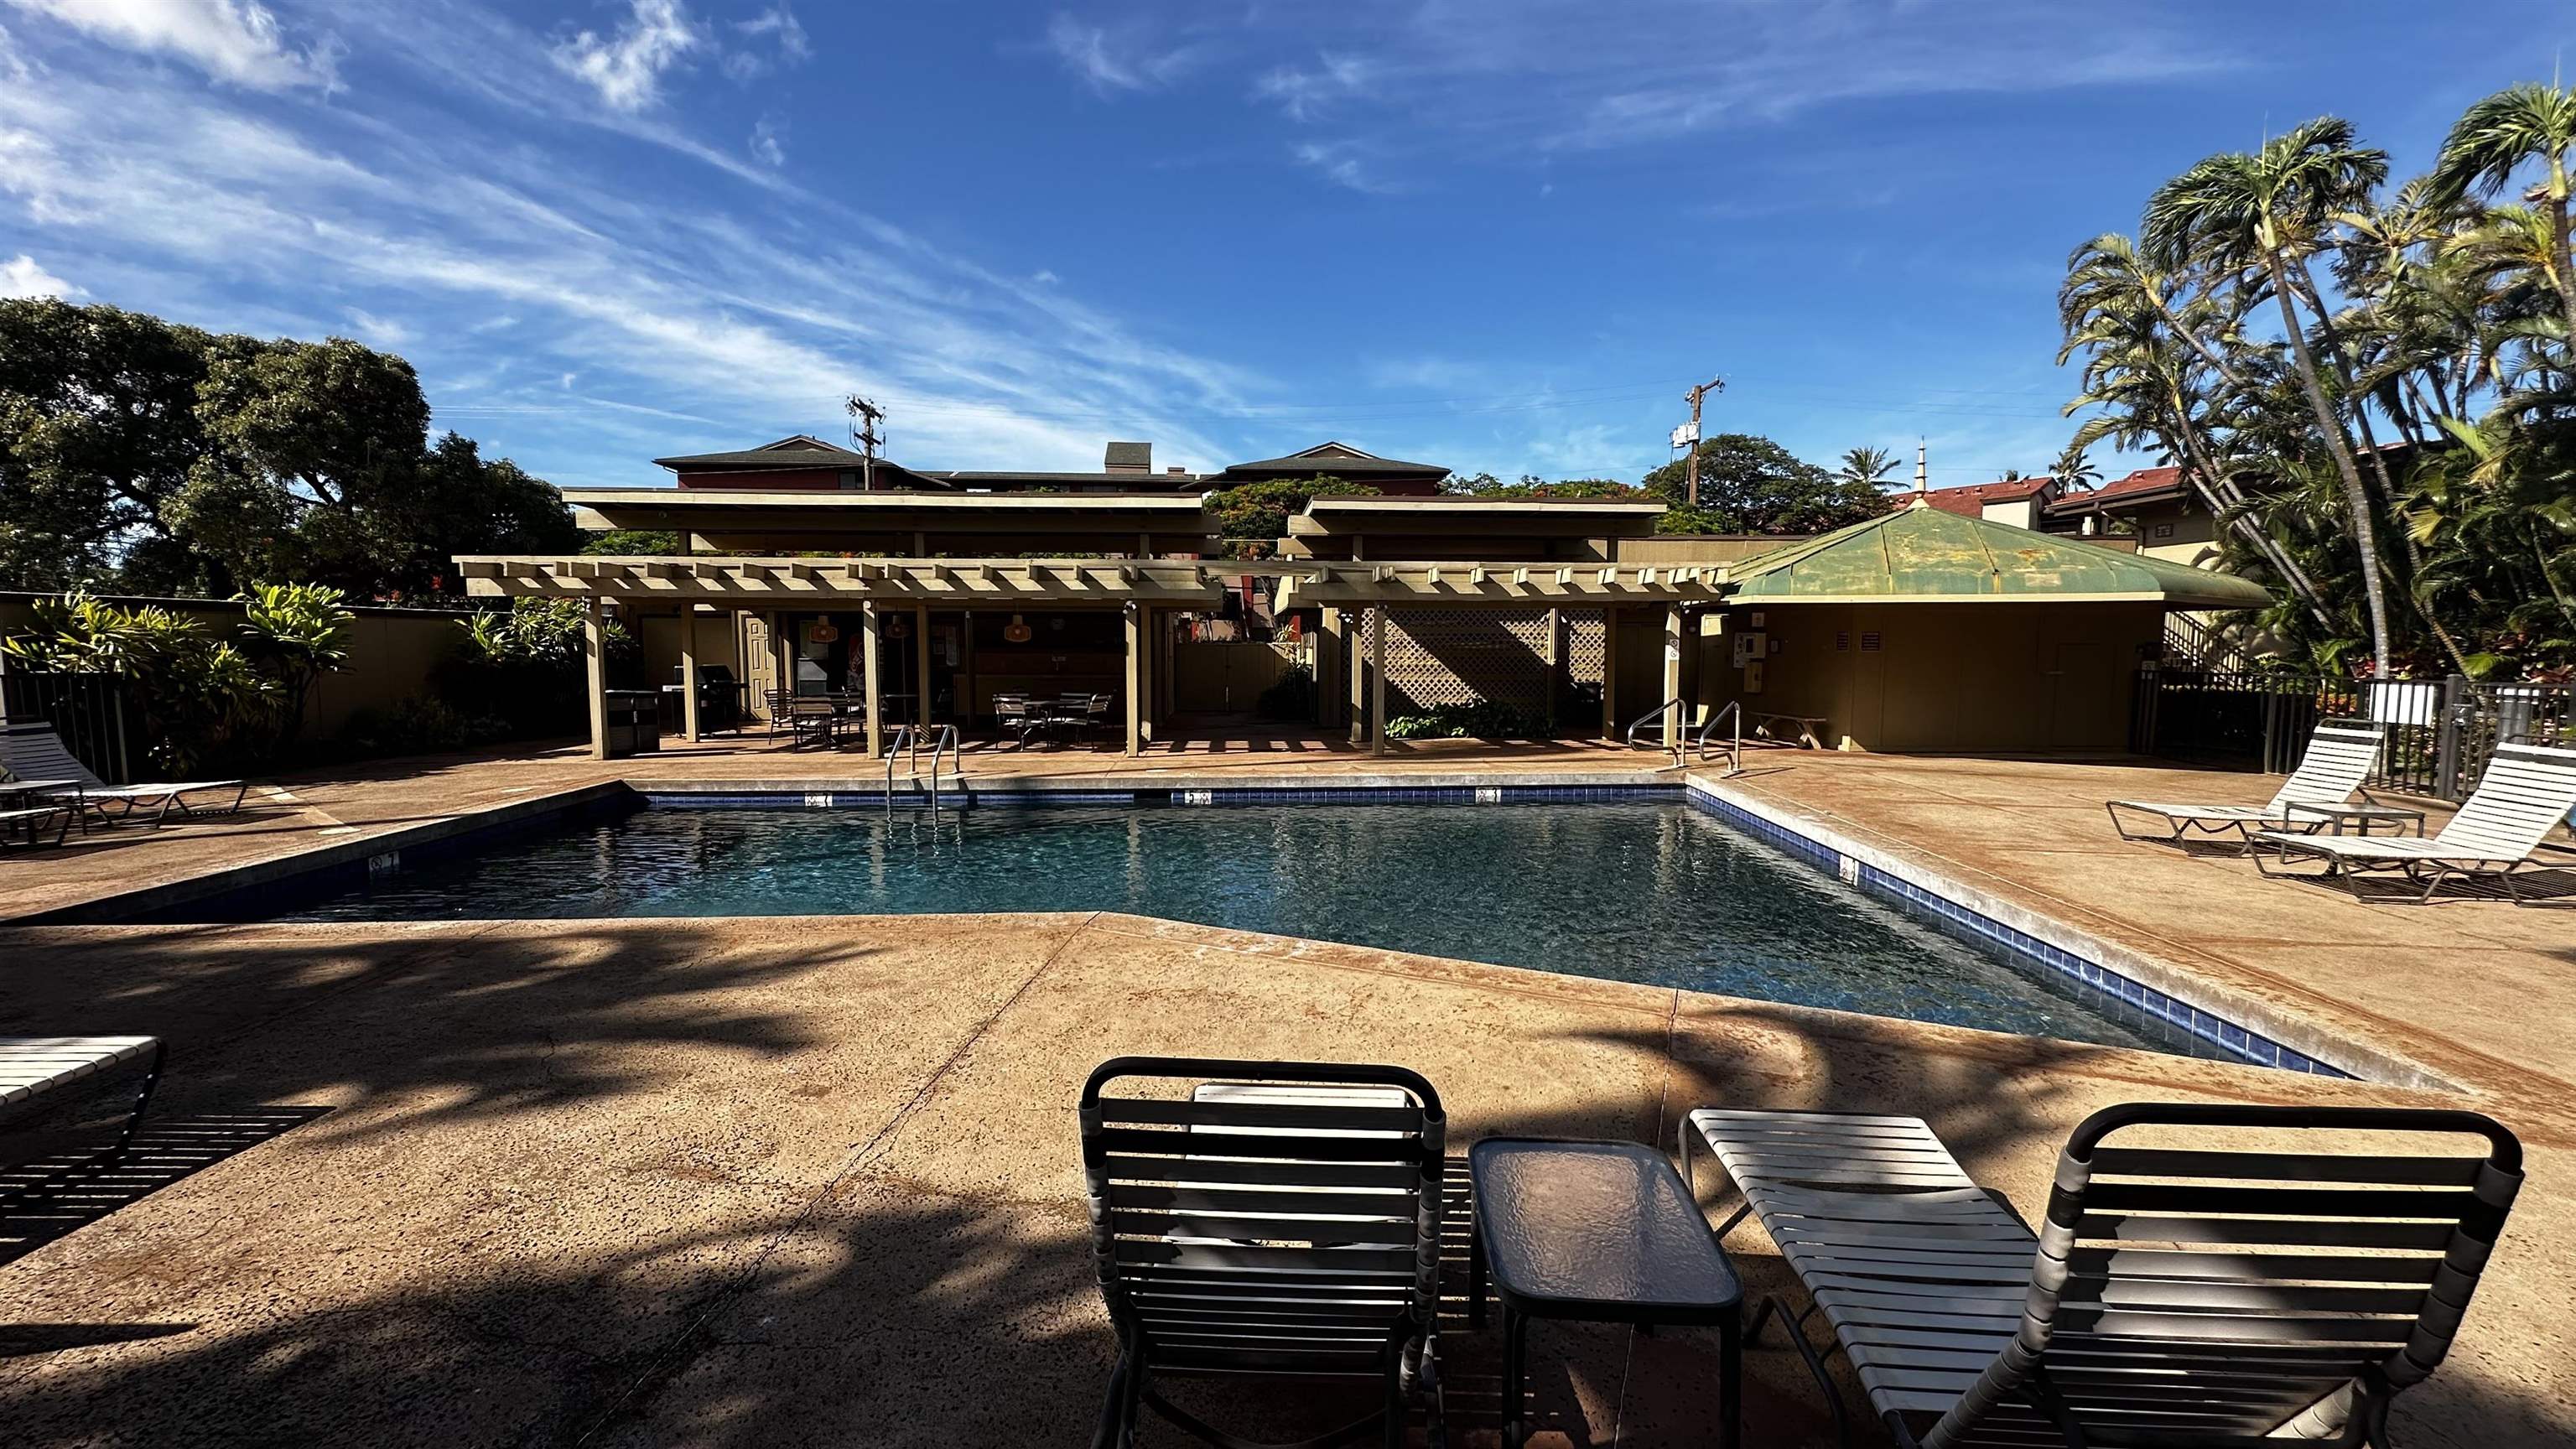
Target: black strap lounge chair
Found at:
2341, 754
1265, 1218
2526, 792
29, 749
2227, 1277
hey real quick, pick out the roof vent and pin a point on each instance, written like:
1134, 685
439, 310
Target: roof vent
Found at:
1128, 458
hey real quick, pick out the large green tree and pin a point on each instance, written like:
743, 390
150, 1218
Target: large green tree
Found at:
1750, 484
98, 429
140, 455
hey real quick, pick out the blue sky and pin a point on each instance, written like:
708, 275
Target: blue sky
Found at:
1501, 235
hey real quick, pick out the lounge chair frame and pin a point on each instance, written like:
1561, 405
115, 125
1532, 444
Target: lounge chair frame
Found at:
2499, 826
2146, 1312
2341, 754
1295, 1237
81, 1057
34, 751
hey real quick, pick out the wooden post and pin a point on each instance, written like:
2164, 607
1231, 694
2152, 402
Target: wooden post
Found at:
689, 673
965, 673
1331, 659
1377, 680
1610, 675
1133, 615
1672, 675
594, 658
872, 629
921, 665
1355, 699
1555, 666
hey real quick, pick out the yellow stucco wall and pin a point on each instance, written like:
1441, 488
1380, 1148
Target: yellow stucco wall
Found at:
1984, 678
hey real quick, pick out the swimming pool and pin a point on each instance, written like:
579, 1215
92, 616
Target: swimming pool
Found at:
1653, 891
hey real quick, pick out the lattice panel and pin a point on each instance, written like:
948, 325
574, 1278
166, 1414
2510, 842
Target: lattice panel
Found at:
1440, 657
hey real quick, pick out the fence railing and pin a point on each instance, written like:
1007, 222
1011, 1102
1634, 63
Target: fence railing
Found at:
89, 713
2441, 732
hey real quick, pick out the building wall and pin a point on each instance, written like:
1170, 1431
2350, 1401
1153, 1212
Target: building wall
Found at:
659, 634
783, 480
1701, 548
391, 652
1986, 678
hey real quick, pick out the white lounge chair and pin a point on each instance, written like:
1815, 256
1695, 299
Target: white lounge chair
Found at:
2526, 792
29, 749
2243, 1276
36, 1071
2341, 754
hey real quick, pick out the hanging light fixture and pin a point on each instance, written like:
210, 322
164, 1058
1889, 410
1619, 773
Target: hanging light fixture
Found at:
1017, 631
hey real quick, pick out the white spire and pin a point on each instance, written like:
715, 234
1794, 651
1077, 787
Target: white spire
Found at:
1922, 472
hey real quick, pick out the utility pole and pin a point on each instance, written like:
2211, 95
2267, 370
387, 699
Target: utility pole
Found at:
1714, 384
864, 433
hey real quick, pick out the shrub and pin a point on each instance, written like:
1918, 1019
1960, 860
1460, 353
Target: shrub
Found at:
415, 726
1483, 720
522, 667
297, 633
204, 704
1291, 696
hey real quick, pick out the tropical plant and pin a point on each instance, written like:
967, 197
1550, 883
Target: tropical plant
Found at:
1867, 466
2427, 310
2075, 468
2255, 220
523, 666
2496, 138
200, 699
297, 633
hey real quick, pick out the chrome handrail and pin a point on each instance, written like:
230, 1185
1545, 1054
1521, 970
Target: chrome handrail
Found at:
1688, 745
1650, 716
944, 740
1735, 748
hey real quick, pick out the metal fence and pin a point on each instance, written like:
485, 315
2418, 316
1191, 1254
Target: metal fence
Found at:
89, 712
2441, 732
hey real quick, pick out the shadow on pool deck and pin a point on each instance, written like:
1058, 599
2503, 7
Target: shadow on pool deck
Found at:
750, 1182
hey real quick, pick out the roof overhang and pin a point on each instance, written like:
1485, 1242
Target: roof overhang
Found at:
768, 583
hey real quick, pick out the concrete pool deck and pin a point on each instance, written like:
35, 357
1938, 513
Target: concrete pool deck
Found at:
747, 1182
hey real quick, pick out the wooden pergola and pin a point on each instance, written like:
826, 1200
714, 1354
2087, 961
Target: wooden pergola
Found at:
1347, 592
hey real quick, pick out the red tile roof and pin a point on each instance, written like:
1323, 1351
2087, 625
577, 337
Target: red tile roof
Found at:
2139, 486
1970, 501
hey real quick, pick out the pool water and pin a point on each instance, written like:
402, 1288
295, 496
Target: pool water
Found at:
1649, 891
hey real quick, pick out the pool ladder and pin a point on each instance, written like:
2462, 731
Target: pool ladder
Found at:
1696, 745
907, 744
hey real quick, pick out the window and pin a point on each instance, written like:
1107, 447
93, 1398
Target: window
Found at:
2164, 530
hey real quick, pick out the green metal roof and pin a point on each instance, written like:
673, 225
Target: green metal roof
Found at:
1924, 555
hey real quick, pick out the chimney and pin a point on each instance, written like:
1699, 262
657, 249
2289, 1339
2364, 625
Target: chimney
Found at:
1127, 458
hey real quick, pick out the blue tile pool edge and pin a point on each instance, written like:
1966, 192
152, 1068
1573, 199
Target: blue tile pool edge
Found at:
2074, 959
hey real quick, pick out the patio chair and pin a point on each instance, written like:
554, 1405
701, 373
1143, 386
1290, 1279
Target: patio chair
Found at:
1095, 715
812, 720
34, 821
2526, 792
29, 749
2281, 1277
1011, 712
1283, 1219
2341, 754
37, 1072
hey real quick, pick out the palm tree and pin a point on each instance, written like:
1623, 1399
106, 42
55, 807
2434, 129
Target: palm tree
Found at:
2260, 217
2497, 137
1868, 466
2075, 468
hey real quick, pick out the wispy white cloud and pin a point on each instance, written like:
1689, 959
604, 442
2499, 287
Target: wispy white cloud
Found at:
238, 41
772, 38
626, 66
1108, 61
769, 140
1306, 92
1341, 163
758, 314
378, 331
20, 276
